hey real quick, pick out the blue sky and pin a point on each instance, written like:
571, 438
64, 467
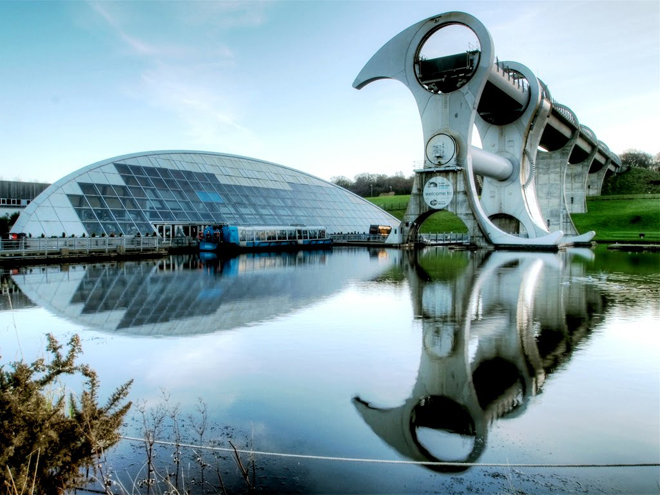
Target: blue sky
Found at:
85, 81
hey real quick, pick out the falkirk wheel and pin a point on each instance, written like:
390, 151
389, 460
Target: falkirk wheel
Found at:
537, 163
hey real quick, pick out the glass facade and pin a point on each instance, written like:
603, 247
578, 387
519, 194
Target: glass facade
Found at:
138, 193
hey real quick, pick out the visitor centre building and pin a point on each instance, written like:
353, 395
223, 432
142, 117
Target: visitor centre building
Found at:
175, 193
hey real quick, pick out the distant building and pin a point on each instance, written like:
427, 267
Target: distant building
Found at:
175, 193
15, 196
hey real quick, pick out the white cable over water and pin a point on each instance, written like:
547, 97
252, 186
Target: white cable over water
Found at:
386, 461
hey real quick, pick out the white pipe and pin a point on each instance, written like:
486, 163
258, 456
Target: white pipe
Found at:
490, 164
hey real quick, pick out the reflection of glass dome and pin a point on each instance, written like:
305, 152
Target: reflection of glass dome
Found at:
181, 295
136, 193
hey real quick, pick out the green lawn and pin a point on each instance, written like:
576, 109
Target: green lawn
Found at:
619, 219
442, 221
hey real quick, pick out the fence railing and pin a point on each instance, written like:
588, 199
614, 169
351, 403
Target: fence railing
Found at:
357, 238
59, 246
443, 238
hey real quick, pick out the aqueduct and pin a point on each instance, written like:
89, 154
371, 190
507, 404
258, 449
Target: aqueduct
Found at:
536, 163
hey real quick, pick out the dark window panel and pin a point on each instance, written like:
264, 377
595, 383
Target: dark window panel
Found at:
159, 183
105, 189
181, 216
173, 205
171, 183
136, 216
166, 215
145, 228
153, 216
165, 173
144, 181
188, 174
85, 214
131, 181
103, 215
121, 190
137, 192
152, 193
167, 194
96, 202
122, 169
120, 215
88, 188
111, 228
194, 216
93, 228
152, 171
128, 228
112, 202
176, 174
77, 201
137, 170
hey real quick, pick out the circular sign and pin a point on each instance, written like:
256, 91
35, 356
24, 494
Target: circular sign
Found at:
440, 149
438, 193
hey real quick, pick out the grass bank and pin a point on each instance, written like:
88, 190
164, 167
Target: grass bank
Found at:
442, 221
614, 218
621, 219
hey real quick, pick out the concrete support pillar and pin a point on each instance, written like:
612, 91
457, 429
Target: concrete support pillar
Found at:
595, 180
550, 187
575, 190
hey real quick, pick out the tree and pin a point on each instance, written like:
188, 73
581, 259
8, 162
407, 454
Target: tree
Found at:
638, 159
342, 181
46, 444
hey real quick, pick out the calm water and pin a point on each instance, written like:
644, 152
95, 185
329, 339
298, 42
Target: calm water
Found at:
374, 354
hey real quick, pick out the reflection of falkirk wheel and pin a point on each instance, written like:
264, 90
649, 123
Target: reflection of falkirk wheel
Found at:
514, 115
490, 336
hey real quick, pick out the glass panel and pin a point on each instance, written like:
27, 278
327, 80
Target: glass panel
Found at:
111, 228
122, 169
85, 214
103, 215
156, 204
145, 228
137, 192
153, 215
188, 174
137, 170
171, 183
144, 181
96, 202
128, 228
87, 188
136, 216
167, 194
152, 193
165, 173
121, 191
194, 216
159, 183
120, 215
105, 189
130, 203
130, 180
77, 200
173, 205
181, 215
180, 195
166, 215
176, 174
152, 172
93, 228
113, 202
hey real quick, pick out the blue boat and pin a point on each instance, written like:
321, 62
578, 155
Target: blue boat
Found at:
244, 238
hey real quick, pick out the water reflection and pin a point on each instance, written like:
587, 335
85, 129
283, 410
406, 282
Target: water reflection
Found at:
494, 326
186, 294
